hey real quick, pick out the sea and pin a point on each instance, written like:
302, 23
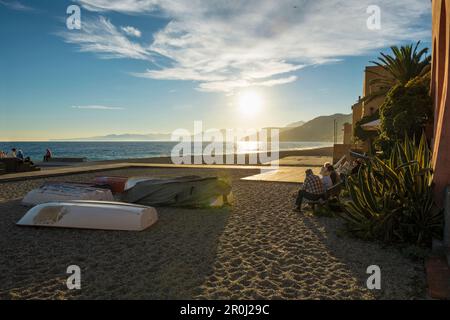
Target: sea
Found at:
98, 151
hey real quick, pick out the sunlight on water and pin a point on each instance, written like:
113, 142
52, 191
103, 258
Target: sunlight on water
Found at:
126, 150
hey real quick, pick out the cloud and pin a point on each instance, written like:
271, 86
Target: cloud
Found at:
16, 5
231, 85
228, 45
126, 6
97, 107
100, 36
131, 31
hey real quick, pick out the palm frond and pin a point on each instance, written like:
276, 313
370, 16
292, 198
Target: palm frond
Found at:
402, 65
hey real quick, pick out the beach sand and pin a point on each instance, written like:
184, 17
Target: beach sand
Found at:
257, 249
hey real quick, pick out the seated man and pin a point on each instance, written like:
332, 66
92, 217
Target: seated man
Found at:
312, 190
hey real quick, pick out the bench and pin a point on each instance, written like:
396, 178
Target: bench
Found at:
333, 192
12, 165
67, 160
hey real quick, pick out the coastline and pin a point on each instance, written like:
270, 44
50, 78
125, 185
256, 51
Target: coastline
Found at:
307, 152
122, 151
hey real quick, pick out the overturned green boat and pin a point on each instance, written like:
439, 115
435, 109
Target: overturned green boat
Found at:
190, 192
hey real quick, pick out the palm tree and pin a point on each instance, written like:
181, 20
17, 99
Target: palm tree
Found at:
405, 64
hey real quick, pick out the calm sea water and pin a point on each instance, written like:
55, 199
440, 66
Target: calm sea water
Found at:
95, 151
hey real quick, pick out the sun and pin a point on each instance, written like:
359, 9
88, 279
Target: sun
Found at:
250, 103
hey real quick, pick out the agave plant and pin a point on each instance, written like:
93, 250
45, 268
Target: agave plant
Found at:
392, 199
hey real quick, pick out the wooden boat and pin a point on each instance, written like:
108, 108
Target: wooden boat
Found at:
101, 215
65, 191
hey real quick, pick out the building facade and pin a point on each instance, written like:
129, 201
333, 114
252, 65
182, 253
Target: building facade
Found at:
361, 109
364, 108
371, 73
440, 92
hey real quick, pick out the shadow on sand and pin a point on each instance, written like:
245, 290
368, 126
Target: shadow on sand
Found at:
170, 260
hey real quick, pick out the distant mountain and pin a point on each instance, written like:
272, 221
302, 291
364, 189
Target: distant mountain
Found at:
296, 124
320, 129
127, 137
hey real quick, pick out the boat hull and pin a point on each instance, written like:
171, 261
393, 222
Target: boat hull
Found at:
188, 192
91, 215
62, 191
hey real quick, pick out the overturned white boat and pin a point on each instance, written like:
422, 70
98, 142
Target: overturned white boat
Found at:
66, 191
91, 215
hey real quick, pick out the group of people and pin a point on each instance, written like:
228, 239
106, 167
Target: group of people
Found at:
329, 176
315, 187
14, 153
18, 154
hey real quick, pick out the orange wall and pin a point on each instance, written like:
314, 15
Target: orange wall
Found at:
440, 92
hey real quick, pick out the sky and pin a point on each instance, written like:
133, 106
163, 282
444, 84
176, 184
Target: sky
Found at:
154, 66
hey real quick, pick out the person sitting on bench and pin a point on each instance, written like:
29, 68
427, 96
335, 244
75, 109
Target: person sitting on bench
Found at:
48, 155
326, 179
20, 155
13, 153
333, 175
312, 190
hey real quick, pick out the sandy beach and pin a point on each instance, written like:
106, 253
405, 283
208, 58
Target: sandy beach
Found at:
225, 150
257, 249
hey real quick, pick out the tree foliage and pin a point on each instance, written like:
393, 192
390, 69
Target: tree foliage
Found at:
406, 111
364, 135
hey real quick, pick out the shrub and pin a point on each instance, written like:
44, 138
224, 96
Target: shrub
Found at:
392, 199
406, 111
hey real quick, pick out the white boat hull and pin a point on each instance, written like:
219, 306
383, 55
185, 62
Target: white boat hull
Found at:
90, 215
66, 192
